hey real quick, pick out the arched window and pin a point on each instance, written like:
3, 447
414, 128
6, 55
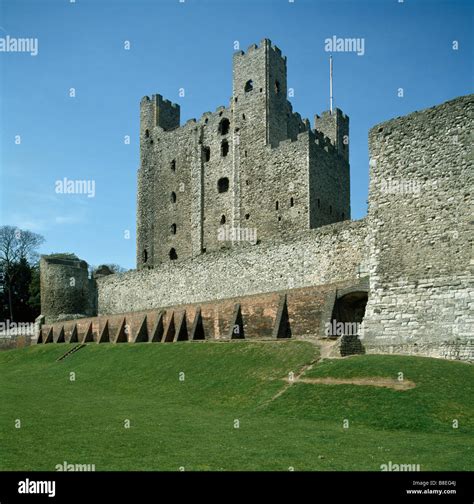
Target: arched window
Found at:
224, 148
277, 205
223, 185
173, 229
248, 86
224, 126
173, 254
222, 220
173, 197
292, 202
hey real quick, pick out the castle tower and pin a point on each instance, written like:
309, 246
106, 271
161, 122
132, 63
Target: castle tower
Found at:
66, 290
158, 112
161, 113
259, 94
243, 174
335, 126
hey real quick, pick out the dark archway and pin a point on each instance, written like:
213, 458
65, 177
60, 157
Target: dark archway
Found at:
347, 316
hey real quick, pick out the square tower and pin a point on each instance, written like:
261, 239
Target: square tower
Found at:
259, 94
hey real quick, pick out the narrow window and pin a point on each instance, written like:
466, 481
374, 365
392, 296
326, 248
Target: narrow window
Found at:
330, 209
173, 229
223, 185
145, 255
343, 216
319, 203
224, 126
223, 220
206, 154
147, 133
224, 148
279, 218
261, 89
173, 197
292, 202
277, 205
277, 87
173, 165
173, 254
248, 86
243, 117
247, 216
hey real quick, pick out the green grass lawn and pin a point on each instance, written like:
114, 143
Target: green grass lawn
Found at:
191, 423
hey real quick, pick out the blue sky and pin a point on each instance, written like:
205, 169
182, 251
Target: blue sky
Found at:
189, 45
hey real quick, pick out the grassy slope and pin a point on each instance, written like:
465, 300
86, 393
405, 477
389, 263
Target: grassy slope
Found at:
190, 423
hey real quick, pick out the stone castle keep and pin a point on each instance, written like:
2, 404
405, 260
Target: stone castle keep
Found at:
255, 164
244, 230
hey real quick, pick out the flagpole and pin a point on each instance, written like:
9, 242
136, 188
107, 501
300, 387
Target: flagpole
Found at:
330, 83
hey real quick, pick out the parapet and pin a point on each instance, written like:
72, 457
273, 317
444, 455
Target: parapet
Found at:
264, 43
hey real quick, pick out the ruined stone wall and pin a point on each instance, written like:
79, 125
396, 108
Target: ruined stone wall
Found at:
420, 233
326, 255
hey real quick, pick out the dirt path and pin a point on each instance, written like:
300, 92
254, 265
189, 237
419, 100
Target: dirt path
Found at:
373, 381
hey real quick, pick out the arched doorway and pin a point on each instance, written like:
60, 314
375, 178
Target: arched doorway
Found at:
346, 319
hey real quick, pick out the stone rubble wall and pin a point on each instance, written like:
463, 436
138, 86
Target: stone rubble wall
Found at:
321, 256
420, 233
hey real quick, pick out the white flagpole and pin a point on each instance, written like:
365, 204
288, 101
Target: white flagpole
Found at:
330, 83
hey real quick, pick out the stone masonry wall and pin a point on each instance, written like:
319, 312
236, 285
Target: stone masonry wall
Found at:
420, 233
66, 290
326, 255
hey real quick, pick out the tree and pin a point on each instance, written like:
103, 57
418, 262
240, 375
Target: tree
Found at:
34, 301
114, 268
18, 249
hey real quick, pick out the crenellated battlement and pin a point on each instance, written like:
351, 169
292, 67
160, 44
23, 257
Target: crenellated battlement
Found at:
264, 44
159, 100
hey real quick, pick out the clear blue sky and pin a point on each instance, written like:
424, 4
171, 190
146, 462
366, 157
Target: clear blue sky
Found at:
189, 45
